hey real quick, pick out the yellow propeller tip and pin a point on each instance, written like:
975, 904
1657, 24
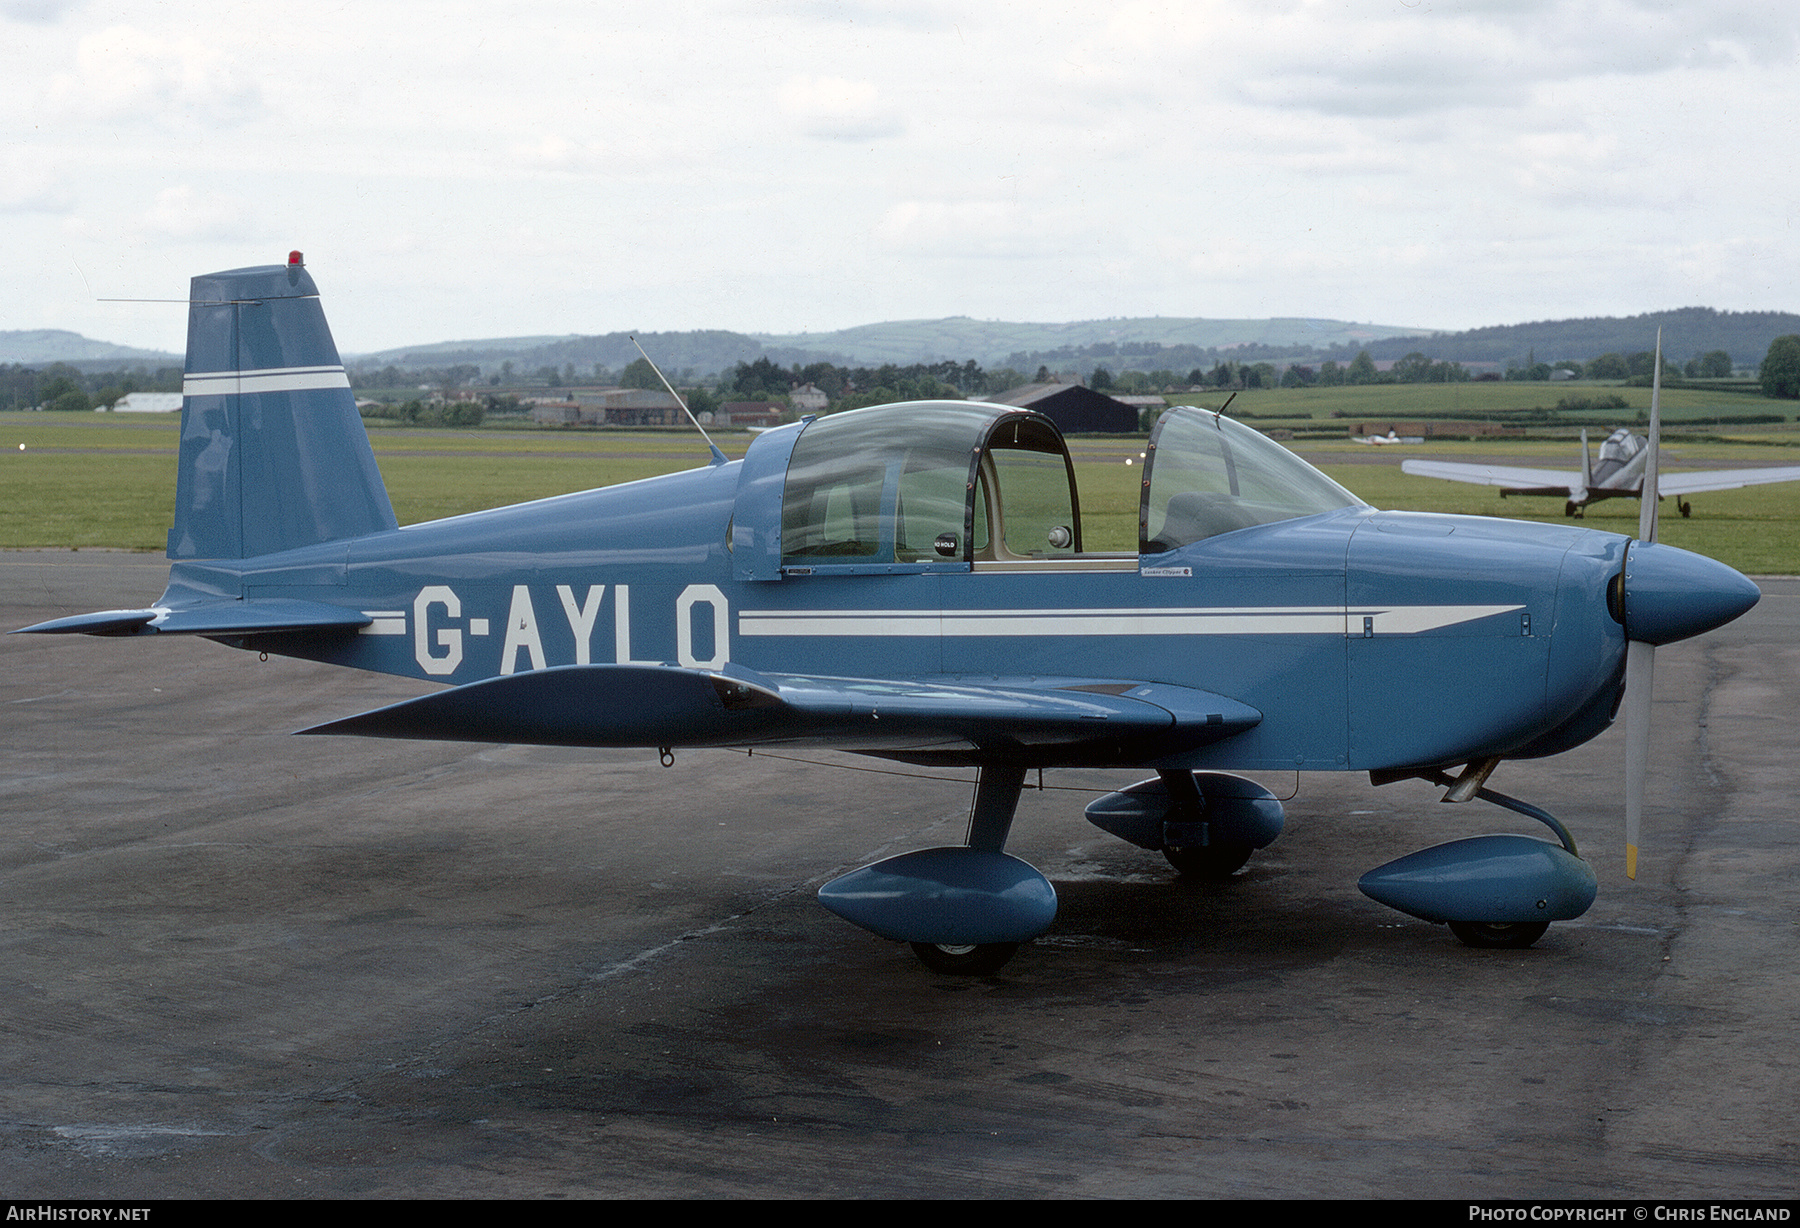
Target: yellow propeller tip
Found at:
1631, 861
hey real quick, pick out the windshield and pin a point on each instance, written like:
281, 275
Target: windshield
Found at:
1209, 475
1621, 446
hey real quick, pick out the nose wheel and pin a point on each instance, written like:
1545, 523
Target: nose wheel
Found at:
1211, 863
973, 959
1499, 935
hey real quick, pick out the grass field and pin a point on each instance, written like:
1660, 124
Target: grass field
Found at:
1682, 408
104, 480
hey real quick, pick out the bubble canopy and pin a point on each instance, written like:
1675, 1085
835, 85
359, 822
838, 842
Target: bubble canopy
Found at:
949, 485
929, 483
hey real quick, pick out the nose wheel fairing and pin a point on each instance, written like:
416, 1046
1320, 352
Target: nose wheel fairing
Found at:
1495, 890
1487, 880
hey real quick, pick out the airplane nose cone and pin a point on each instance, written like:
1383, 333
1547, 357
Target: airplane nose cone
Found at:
1672, 594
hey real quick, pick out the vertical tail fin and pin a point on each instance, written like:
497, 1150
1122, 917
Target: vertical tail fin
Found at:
273, 452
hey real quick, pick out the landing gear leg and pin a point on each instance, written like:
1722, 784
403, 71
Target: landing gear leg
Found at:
964, 908
1211, 860
990, 821
996, 800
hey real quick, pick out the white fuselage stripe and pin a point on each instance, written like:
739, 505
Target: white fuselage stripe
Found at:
385, 622
268, 379
1302, 620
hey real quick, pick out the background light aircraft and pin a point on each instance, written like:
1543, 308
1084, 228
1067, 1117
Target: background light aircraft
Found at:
910, 582
1619, 474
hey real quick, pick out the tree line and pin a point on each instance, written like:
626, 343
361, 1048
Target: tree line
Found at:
65, 388
62, 387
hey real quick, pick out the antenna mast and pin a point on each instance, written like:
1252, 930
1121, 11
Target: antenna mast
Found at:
718, 456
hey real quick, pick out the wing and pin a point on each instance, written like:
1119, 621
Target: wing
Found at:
1532, 481
1035, 721
1723, 479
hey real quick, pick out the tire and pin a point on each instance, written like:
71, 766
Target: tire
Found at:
1208, 862
1499, 935
974, 960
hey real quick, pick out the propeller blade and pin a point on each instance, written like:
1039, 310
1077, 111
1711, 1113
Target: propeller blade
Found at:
1640, 681
1640, 658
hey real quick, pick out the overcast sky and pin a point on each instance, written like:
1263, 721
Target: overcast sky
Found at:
459, 170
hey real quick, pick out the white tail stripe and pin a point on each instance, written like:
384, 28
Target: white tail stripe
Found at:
268, 379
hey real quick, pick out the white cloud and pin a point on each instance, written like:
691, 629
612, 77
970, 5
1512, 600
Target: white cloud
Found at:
963, 228
932, 15
123, 73
833, 108
41, 12
1428, 56
31, 183
182, 213
635, 151
1429, 162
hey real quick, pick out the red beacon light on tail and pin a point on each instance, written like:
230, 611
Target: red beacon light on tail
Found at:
296, 260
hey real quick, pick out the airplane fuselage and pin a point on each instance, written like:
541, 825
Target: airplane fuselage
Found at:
1370, 639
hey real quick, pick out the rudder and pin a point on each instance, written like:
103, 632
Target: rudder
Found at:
273, 452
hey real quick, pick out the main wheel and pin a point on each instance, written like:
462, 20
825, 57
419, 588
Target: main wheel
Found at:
974, 959
1499, 935
1212, 862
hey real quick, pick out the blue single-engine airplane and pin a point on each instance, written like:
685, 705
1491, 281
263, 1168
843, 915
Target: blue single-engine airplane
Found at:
909, 581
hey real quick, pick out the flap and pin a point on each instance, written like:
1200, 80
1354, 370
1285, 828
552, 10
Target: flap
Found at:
1040, 722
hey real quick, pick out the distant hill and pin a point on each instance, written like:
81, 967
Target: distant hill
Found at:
698, 353
1147, 342
1687, 332
442, 352
1143, 343
38, 347
994, 343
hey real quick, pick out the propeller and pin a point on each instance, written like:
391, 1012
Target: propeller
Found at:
1667, 595
1640, 656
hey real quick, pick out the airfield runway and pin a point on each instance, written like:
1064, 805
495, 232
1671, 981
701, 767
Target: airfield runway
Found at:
241, 963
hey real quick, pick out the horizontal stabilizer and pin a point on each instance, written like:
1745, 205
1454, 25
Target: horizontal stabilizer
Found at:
101, 622
215, 618
635, 705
